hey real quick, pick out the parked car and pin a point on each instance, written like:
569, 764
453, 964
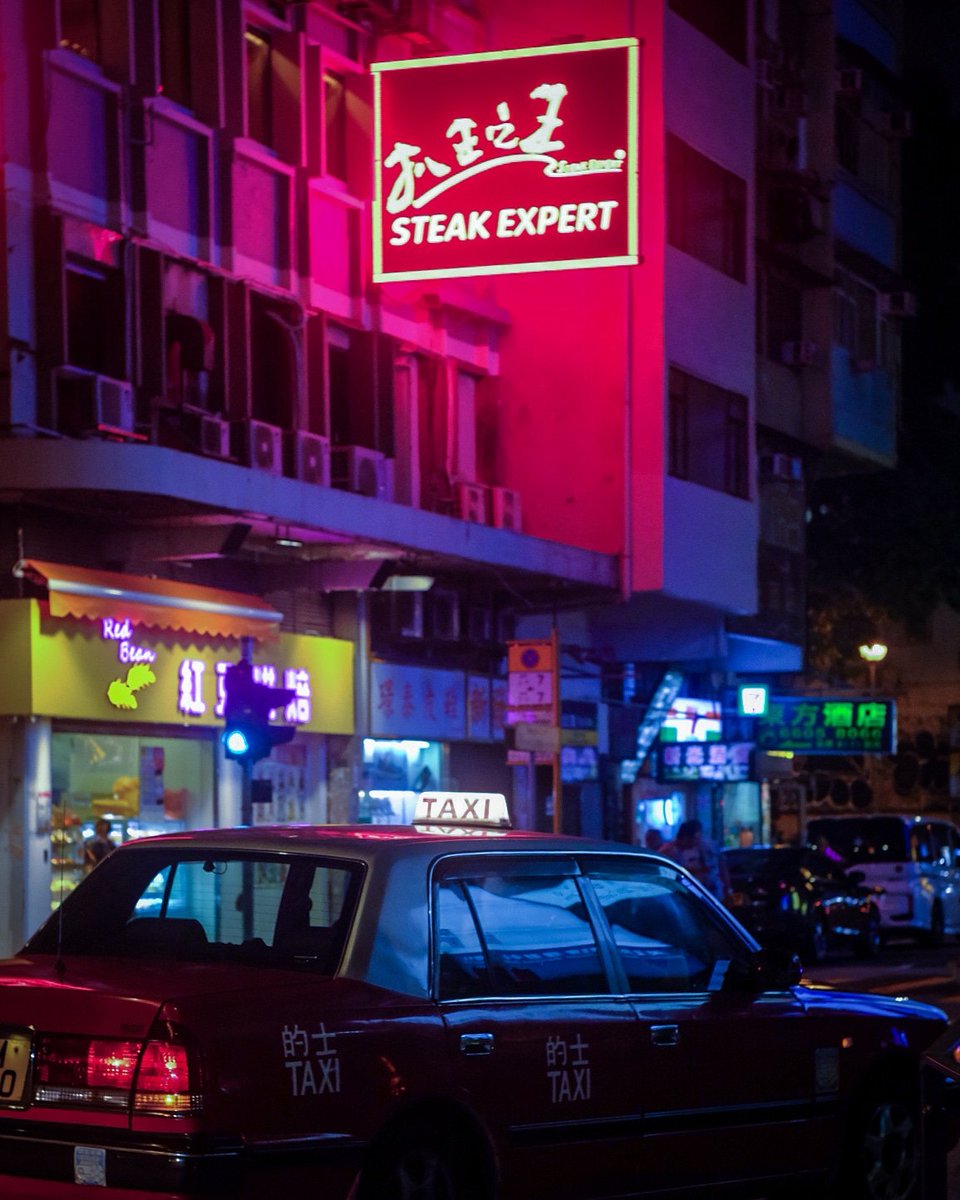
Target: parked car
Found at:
797, 897
406, 1012
914, 859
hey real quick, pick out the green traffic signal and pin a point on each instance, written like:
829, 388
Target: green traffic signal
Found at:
248, 734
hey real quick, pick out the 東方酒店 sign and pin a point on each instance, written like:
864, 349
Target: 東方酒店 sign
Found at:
829, 725
515, 160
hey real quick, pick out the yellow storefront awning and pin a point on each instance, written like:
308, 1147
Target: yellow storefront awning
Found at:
155, 603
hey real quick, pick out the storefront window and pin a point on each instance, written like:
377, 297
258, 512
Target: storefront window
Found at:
395, 772
140, 785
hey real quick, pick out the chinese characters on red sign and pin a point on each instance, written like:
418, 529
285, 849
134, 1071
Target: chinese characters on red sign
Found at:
510, 161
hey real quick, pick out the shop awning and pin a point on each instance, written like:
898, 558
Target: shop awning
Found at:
157, 603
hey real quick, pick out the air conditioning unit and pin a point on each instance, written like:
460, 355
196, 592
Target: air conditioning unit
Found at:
798, 354
308, 457
850, 81
259, 445
471, 501
214, 436
361, 470
88, 403
505, 508
206, 433
408, 613
898, 304
781, 466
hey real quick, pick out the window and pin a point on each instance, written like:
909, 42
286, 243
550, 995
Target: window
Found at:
269, 910
866, 151
259, 86
175, 58
191, 352
845, 312
516, 935
669, 940
706, 210
335, 125
276, 340
80, 27
856, 325
723, 21
95, 319
709, 436
783, 315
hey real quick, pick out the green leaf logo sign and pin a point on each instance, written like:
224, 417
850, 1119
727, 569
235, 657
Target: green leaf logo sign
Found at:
121, 693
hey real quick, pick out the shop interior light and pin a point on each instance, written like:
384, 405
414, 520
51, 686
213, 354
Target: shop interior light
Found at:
285, 539
408, 583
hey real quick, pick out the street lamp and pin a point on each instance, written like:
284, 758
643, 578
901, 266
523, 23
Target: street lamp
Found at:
873, 654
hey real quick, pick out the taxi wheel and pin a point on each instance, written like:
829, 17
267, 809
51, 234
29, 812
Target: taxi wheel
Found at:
417, 1163
884, 1155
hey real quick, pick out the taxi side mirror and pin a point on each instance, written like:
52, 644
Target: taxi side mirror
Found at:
767, 970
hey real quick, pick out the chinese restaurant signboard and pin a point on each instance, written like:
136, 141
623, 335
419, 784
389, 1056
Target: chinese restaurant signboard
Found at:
819, 725
722, 762
516, 160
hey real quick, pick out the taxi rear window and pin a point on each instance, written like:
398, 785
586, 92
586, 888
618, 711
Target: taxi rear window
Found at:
263, 909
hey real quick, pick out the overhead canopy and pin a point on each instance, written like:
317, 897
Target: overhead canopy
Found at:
157, 603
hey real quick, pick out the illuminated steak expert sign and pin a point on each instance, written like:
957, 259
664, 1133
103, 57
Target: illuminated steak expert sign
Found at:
520, 160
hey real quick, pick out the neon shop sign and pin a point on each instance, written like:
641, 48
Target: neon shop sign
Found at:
192, 700
509, 161
192, 677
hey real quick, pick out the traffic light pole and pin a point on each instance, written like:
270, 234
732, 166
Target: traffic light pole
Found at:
246, 784
246, 815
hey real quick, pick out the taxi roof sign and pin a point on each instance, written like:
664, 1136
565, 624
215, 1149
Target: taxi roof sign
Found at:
487, 810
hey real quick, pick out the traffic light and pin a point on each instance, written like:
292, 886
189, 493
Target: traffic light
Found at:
248, 734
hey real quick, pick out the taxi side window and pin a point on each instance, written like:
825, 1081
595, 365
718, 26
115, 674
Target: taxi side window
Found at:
667, 938
463, 964
510, 935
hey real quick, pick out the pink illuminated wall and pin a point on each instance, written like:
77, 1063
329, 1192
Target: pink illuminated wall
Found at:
582, 384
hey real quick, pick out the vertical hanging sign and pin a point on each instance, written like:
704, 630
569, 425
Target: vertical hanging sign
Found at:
508, 161
531, 683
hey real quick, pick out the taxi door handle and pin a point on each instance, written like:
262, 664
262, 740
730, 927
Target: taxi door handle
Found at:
476, 1043
664, 1035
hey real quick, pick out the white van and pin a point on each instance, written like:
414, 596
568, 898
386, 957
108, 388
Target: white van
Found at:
914, 859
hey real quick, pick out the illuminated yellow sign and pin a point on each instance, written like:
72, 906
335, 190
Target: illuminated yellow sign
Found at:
110, 671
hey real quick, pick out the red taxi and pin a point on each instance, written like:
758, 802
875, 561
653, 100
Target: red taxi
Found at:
383, 1013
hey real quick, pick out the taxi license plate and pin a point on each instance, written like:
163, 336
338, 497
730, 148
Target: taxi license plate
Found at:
15, 1058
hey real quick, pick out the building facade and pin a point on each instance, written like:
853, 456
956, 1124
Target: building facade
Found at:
204, 393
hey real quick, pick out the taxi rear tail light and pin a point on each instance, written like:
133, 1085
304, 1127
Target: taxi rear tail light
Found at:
163, 1080
86, 1071
112, 1073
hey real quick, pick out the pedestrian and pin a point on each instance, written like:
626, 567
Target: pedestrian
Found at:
97, 848
653, 840
698, 855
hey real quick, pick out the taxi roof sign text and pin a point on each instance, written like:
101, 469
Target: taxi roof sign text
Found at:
506, 161
483, 809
